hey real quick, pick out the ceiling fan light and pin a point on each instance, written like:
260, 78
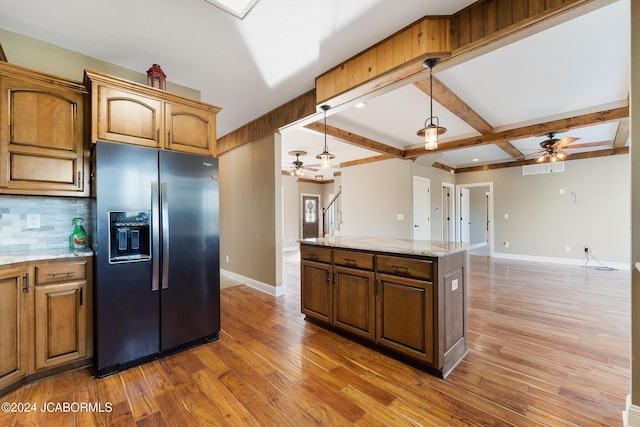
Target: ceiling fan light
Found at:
540, 159
561, 155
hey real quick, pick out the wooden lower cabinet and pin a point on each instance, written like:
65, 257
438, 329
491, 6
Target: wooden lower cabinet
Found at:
353, 306
404, 313
317, 290
13, 326
45, 318
412, 306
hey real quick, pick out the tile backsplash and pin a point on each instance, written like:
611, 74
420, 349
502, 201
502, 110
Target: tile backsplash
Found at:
56, 214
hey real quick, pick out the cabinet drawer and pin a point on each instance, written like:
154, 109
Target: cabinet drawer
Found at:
61, 272
353, 259
398, 266
315, 253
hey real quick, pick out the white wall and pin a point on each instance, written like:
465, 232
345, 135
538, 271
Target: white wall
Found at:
373, 195
594, 209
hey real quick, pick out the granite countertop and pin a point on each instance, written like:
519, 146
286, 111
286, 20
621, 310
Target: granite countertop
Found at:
431, 248
40, 255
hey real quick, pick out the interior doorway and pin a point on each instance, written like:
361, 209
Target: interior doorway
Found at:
310, 216
475, 208
421, 208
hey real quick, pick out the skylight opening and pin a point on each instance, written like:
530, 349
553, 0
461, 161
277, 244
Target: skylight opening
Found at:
237, 8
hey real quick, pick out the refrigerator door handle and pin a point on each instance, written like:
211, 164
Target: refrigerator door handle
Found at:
155, 244
164, 202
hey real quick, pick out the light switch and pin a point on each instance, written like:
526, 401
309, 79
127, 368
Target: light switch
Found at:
454, 284
400, 217
506, 216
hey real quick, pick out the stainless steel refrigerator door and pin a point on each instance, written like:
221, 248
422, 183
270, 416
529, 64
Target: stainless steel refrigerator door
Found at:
127, 310
190, 295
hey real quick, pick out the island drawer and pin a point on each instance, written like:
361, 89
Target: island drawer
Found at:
353, 259
60, 272
408, 267
315, 253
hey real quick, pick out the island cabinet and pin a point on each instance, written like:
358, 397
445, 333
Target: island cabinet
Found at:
45, 318
131, 113
42, 134
409, 305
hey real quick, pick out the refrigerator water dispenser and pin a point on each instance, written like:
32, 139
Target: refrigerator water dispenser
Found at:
130, 236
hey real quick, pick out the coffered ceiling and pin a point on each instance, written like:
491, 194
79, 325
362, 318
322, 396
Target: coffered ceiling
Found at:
561, 73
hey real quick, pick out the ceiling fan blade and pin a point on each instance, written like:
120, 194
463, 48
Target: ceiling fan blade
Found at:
591, 144
564, 141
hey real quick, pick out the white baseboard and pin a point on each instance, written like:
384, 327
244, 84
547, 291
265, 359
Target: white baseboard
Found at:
631, 415
568, 261
276, 291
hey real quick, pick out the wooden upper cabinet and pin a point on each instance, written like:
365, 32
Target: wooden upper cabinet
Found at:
42, 140
190, 129
123, 116
131, 113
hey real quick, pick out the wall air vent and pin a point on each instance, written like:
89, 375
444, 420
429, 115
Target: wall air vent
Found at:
543, 168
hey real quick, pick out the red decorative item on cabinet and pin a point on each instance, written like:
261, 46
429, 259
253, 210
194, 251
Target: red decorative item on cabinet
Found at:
156, 77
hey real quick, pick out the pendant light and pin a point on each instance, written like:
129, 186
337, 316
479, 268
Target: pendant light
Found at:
325, 157
432, 128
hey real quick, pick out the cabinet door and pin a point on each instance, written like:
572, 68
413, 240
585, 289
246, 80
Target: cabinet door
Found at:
190, 129
13, 327
127, 117
316, 290
60, 324
404, 316
353, 308
41, 139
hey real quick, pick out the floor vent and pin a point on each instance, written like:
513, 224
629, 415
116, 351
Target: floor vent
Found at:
543, 168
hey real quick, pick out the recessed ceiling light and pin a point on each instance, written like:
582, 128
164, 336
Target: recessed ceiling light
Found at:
475, 160
237, 8
360, 105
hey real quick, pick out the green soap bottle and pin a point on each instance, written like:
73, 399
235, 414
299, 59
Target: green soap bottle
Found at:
78, 238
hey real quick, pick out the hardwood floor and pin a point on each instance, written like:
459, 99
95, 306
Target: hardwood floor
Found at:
549, 345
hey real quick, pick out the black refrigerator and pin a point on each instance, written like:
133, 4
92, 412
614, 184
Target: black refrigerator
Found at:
156, 243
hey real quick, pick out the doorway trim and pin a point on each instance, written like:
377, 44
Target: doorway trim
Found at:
490, 210
451, 211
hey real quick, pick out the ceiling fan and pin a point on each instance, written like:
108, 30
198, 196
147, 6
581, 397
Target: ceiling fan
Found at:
297, 163
551, 148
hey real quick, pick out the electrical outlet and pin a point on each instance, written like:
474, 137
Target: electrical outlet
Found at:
227, 258
506, 244
567, 248
33, 221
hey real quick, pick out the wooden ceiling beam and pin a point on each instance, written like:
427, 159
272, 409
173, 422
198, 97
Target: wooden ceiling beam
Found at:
526, 131
290, 112
577, 156
452, 102
366, 160
510, 149
355, 139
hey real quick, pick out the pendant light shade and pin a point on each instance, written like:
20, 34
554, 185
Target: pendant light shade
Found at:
325, 157
432, 129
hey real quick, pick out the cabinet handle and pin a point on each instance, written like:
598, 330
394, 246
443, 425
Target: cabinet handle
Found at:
350, 261
378, 287
26, 285
313, 256
169, 136
81, 298
61, 273
79, 179
158, 136
401, 267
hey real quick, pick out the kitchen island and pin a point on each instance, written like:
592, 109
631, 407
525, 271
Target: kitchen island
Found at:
404, 297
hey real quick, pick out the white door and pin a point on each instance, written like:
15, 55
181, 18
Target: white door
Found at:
465, 214
421, 208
